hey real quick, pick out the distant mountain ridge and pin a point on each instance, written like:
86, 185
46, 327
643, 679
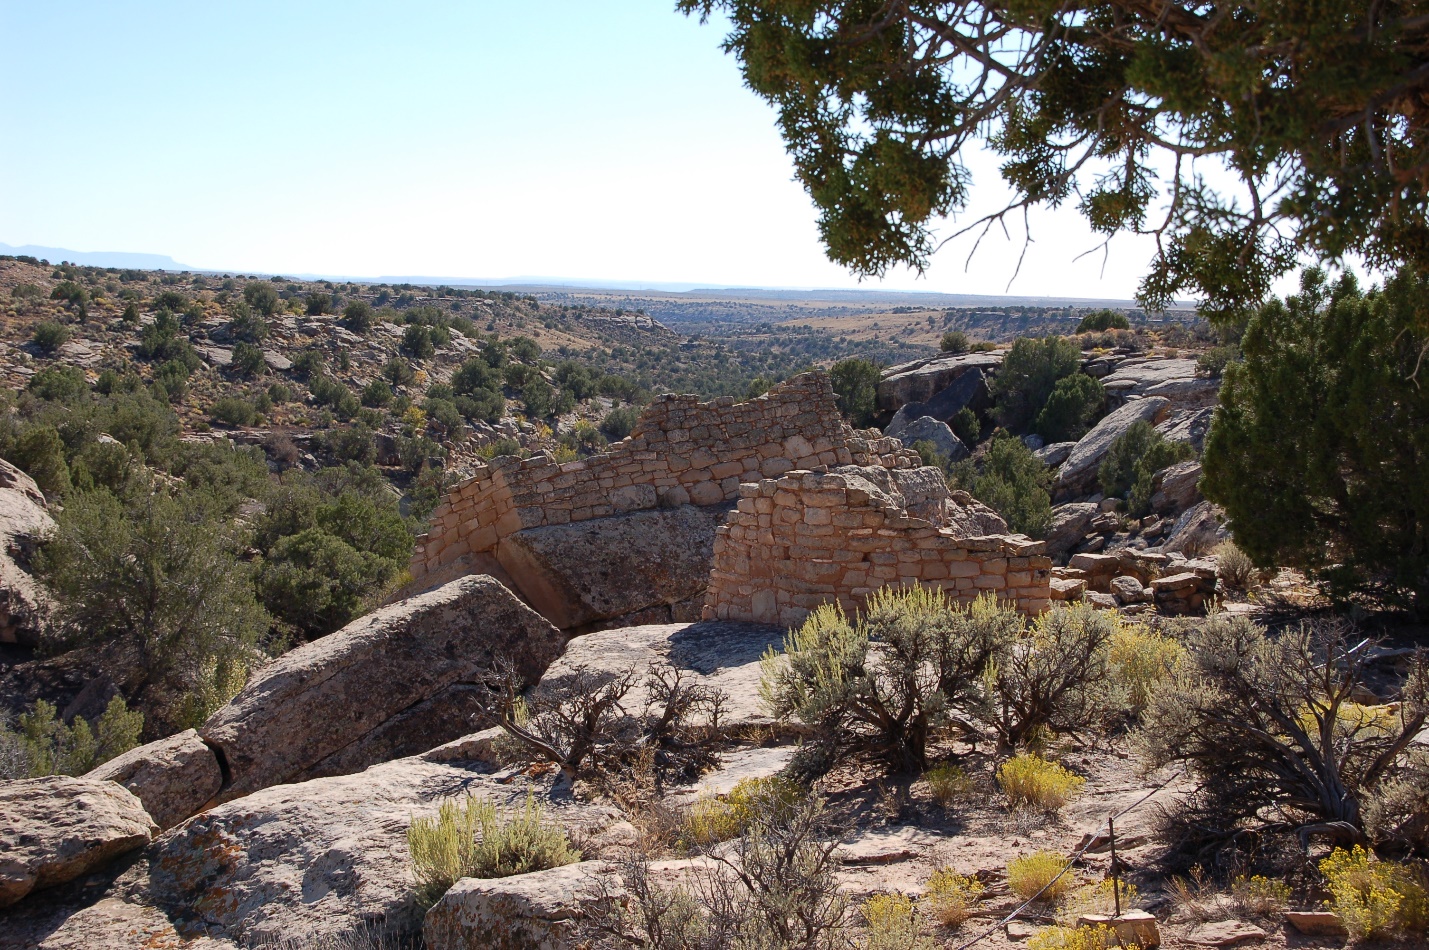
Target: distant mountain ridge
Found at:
543, 286
96, 258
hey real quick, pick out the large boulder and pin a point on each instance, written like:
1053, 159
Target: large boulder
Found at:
173, 777
1176, 488
403, 679
587, 572
1189, 426
922, 491
712, 653
928, 429
1079, 471
969, 518
535, 911
1070, 524
322, 858
921, 380
1173, 379
24, 525
1199, 529
968, 391
56, 828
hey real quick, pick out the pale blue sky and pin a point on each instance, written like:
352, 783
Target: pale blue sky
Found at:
476, 139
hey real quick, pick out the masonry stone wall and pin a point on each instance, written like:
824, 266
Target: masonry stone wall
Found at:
682, 451
806, 538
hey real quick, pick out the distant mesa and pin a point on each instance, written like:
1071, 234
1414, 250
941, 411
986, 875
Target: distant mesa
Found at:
96, 258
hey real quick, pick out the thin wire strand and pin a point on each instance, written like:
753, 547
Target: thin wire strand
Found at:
1067, 867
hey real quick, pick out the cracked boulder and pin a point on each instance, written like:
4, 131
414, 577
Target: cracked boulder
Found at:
173, 777
56, 828
401, 680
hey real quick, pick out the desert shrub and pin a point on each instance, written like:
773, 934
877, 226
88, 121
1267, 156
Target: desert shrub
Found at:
1013, 482
619, 422
1099, 898
536, 394
398, 371
475, 838
774, 886
1029, 781
1214, 361
1071, 408
1271, 724
965, 426
376, 394
65, 384
1028, 375
577, 721
320, 302
247, 360
1233, 566
883, 681
157, 574
1055, 680
1320, 476
45, 745
40, 452
496, 448
358, 316
50, 336
218, 680
1375, 898
929, 455
1133, 461
246, 325
712, 820
951, 896
160, 342
948, 783
954, 341
1040, 875
1259, 896
1139, 660
892, 921
1099, 321
262, 296
232, 411
417, 342
855, 382
318, 582
1061, 937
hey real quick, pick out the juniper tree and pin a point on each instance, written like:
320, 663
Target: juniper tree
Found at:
1316, 111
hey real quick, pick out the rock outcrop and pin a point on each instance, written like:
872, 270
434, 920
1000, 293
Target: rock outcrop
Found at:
1173, 379
173, 777
921, 380
1176, 488
723, 656
646, 562
54, 829
535, 911
935, 432
967, 391
401, 680
1079, 471
323, 857
1070, 524
24, 525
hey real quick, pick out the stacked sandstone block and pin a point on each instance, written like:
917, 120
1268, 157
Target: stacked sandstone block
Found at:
682, 451
805, 539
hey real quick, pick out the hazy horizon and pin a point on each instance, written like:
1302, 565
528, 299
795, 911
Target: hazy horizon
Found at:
557, 138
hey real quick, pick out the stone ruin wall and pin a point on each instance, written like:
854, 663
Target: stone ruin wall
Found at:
682, 451
806, 538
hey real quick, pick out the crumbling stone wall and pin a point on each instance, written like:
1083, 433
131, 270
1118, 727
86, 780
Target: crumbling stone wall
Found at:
806, 538
682, 451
